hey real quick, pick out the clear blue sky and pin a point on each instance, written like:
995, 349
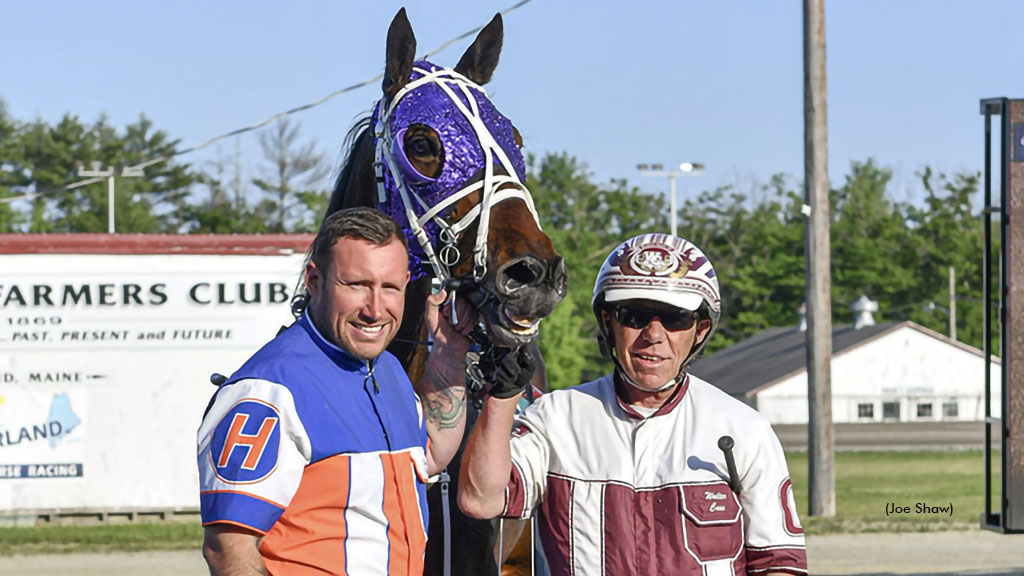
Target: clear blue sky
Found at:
614, 83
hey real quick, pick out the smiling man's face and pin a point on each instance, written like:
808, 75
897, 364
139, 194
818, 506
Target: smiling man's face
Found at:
652, 354
357, 302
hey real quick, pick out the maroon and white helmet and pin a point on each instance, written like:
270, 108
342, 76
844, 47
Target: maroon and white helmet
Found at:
662, 268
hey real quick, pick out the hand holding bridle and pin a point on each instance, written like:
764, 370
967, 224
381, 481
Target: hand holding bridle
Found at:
509, 369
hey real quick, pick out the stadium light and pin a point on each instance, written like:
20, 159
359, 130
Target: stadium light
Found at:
685, 169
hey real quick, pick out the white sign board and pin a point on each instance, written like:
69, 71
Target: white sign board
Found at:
105, 364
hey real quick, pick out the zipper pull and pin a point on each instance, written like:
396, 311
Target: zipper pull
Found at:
370, 376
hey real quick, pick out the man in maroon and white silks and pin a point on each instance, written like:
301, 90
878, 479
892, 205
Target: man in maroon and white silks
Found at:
626, 473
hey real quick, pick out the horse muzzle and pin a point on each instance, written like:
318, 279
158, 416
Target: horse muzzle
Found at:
522, 292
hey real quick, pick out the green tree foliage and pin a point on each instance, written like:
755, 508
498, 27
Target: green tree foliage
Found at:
898, 253
585, 222
870, 241
224, 207
11, 176
757, 250
895, 253
949, 233
51, 156
165, 187
293, 201
38, 160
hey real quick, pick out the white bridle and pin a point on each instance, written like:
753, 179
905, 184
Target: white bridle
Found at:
449, 234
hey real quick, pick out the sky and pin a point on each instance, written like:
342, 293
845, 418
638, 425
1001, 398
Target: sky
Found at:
613, 83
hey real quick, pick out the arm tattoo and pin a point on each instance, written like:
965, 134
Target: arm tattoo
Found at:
443, 406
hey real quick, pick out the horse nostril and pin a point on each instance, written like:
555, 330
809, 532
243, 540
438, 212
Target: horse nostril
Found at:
527, 271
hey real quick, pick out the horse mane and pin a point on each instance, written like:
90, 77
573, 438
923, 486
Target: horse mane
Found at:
353, 139
353, 144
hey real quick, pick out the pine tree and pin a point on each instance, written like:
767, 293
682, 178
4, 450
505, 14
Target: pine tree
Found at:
292, 180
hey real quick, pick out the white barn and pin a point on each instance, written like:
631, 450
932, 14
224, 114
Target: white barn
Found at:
893, 372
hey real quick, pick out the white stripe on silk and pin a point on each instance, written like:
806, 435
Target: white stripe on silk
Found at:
366, 548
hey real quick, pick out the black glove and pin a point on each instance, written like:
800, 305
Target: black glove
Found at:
510, 369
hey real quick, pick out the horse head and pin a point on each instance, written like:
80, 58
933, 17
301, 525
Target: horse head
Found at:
440, 159
449, 169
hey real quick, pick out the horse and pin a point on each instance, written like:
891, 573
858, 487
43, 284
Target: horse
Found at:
438, 157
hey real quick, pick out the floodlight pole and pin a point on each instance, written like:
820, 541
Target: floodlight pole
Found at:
672, 202
109, 174
685, 169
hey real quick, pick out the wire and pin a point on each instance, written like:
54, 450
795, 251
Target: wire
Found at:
263, 123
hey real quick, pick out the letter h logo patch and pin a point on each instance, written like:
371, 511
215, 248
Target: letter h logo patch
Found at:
245, 442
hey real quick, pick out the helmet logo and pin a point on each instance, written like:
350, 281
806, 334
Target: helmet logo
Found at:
655, 261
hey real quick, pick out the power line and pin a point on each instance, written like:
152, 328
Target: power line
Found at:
263, 123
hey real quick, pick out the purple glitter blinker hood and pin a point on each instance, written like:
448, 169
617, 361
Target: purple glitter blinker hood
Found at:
464, 156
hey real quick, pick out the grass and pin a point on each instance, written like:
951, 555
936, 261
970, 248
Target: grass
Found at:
120, 538
867, 481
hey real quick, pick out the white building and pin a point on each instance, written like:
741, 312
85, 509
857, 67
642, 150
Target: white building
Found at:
886, 372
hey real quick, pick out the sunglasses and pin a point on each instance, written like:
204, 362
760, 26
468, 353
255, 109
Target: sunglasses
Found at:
672, 320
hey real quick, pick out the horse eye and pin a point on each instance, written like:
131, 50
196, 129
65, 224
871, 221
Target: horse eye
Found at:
421, 146
422, 150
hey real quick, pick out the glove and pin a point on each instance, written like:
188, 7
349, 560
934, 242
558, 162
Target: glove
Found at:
510, 369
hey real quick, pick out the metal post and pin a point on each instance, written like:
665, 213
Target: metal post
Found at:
672, 202
952, 303
1011, 315
685, 169
821, 445
109, 174
1005, 312
986, 317
110, 203
1004, 357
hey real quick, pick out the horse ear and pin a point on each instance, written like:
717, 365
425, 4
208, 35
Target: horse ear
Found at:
480, 60
401, 51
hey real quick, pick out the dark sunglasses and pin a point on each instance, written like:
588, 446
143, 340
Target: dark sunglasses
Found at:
672, 320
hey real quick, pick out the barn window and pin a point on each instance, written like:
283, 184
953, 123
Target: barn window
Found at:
950, 410
891, 410
865, 410
924, 410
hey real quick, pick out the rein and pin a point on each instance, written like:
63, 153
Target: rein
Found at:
475, 381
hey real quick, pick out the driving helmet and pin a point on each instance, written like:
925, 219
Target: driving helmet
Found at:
662, 268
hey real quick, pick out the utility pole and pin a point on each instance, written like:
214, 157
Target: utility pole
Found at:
685, 169
821, 445
109, 174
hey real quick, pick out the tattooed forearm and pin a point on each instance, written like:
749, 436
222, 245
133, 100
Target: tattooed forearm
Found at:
445, 409
442, 392
444, 406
